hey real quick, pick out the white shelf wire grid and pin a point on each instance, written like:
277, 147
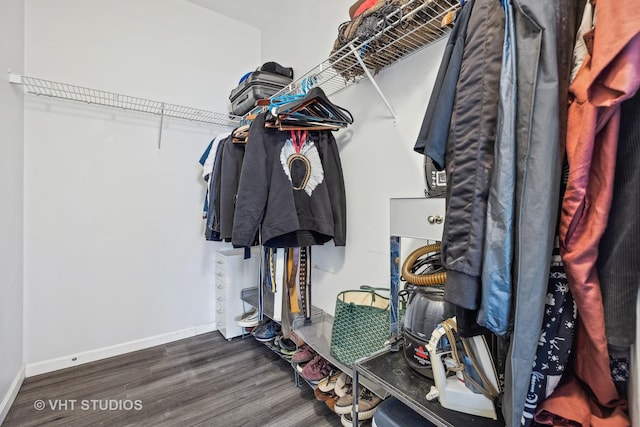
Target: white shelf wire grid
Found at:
71, 92
406, 30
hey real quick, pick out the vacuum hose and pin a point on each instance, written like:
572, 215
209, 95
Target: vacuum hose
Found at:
422, 279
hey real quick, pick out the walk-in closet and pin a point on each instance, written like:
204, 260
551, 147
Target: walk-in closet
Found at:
378, 213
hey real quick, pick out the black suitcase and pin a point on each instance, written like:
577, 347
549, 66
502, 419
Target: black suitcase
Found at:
259, 85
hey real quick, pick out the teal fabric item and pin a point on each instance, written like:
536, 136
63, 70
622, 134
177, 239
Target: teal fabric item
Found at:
360, 325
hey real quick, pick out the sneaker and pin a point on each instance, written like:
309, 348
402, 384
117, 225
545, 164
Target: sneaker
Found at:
287, 353
267, 331
343, 385
287, 344
347, 420
344, 404
331, 402
278, 347
367, 404
271, 346
328, 384
249, 320
316, 370
304, 354
322, 396
299, 366
276, 342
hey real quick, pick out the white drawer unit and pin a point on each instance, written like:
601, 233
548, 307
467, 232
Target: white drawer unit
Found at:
419, 218
233, 273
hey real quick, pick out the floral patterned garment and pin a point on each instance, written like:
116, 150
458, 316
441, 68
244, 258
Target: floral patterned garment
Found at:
556, 339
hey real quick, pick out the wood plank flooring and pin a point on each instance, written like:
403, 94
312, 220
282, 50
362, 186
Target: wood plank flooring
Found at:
200, 381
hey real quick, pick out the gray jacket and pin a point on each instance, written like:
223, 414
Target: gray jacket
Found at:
544, 36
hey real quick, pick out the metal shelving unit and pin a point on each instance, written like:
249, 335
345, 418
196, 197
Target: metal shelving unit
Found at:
42, 87
390, 370
66, 91
317, 335
251, 297
416, 218
411, 27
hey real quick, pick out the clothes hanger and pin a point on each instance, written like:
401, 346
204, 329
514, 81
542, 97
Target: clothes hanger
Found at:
313, 106
304, 123
240, 134
298, 121
308, 110
309, 117
284, 127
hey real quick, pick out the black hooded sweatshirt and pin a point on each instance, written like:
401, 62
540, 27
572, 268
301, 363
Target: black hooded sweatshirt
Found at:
291, 187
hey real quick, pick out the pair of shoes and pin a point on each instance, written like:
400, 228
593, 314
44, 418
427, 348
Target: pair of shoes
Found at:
331, 402
266, 331
321, 395
250, 319
343, 385
328, 384
344, 404
304, 354
367, 404
284, 346
287, 344
347, 420
316, 369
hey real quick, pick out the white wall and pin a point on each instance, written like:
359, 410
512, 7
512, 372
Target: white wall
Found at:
113, 244
377, 156
301, 34
114, 250
11, 201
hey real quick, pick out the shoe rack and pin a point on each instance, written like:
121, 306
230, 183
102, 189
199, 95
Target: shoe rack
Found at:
317, 335
251, 296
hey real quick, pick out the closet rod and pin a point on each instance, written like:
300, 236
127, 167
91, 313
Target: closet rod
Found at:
71, 92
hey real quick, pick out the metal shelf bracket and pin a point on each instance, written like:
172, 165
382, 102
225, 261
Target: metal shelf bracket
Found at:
374, 83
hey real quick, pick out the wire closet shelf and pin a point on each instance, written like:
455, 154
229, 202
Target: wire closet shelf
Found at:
42, 87
409, 28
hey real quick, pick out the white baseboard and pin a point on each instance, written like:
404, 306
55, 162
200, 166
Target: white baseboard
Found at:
205, 329
51, 365
8, 399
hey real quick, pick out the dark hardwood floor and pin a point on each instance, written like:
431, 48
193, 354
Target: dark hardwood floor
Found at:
200, 381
